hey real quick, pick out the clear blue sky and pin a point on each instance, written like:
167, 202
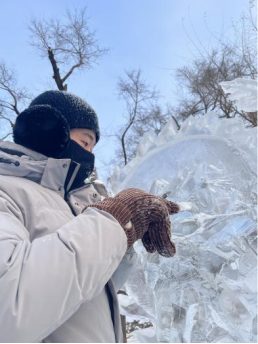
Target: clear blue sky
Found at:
146, 34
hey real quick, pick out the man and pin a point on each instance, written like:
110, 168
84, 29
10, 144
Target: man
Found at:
64, 253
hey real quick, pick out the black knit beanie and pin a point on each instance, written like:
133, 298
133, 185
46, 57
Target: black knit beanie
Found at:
45, 125
78, 113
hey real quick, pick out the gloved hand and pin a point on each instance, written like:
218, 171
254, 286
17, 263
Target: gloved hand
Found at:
142, 216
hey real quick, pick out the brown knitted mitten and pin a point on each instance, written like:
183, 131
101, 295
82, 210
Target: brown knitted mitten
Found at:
142, 216
155, 239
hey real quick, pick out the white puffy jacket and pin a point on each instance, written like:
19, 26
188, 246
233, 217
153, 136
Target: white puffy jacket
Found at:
59, 268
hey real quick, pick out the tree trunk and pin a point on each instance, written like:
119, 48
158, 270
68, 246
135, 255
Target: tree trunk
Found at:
56, 75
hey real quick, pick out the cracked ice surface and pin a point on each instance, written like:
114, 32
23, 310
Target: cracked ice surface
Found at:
208, 291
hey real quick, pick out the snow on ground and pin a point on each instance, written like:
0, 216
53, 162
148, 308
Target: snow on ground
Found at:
208, 291
146, 335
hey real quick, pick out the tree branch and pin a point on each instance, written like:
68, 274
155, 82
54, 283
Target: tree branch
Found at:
78, 65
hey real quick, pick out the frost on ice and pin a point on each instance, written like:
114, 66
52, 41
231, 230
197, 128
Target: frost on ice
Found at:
207, 292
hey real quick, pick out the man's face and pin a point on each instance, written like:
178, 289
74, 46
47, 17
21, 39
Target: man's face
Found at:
84, 137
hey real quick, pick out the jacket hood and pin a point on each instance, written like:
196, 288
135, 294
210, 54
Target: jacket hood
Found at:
18, 161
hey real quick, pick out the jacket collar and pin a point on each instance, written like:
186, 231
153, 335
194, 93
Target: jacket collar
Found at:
18, 161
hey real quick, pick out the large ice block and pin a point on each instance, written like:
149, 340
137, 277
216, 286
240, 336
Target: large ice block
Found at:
208, 291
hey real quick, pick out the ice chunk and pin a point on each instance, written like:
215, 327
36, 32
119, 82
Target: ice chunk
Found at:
168, 133
148, 141
243, 92
158, 187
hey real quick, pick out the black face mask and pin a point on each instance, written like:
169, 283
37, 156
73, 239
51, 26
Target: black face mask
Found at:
81, 156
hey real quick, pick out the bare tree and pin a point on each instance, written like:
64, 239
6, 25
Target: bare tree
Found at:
12, 97
139, 98
199, 83
152, 119
246, 38
199, 88
68, 43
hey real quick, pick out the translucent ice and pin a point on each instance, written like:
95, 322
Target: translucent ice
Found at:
207, 291
148, 141
243, 92
168, 133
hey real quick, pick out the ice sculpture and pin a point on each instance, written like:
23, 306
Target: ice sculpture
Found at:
208, 291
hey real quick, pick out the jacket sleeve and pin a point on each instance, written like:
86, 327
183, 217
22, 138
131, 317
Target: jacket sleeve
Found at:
43, 282
124, 269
